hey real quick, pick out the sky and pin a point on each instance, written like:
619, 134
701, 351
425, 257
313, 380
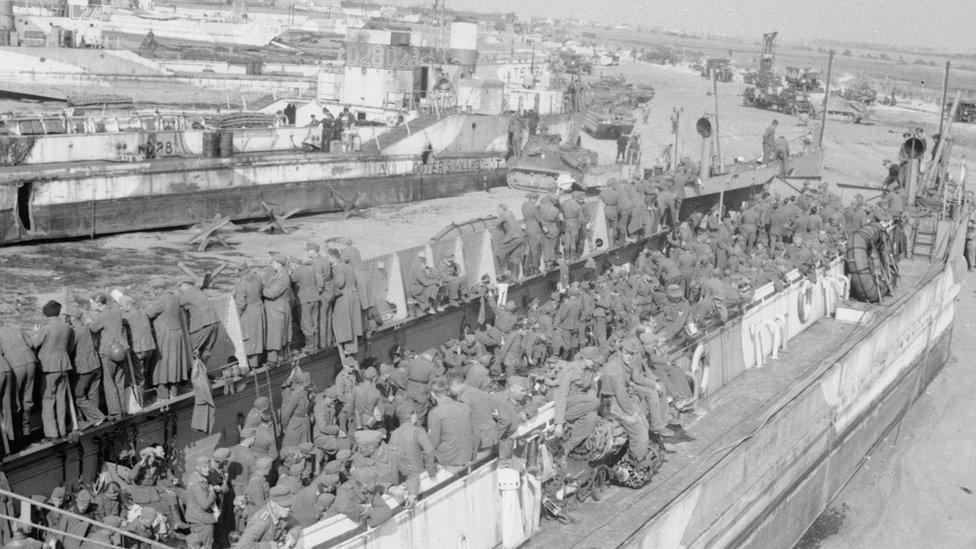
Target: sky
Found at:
943, 24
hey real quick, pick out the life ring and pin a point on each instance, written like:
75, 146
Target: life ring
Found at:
804, 301
861, 256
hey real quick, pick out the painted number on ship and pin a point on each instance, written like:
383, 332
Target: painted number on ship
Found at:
458, 165
380, 56
165, 148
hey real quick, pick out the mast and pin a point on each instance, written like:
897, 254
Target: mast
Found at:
718, 138
823, 119
945, 92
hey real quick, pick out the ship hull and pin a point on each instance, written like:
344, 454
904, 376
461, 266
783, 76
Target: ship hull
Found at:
193, 31
182, 194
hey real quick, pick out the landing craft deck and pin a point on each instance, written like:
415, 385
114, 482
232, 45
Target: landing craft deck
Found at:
774, 436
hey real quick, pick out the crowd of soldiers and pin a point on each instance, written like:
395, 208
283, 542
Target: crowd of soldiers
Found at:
92, 360
99, 362
358, 448
599, 346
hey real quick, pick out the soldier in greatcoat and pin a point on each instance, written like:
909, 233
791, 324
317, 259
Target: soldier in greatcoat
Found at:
347, 321
173, 366
295, 409
250, 309
277, 307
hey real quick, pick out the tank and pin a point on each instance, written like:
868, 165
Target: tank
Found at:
545, 167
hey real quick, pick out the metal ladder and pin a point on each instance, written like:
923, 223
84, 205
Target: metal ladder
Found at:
925, 233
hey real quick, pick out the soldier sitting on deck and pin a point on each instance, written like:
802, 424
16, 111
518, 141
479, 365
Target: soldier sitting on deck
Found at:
424, 285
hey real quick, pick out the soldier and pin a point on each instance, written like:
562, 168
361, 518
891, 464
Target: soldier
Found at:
309, 281
413, 447
511, 242
53, 342
450, 428
264, 437
99, 537
20, 539
424, 285
295, 408
359, 500
646, 386
550, 229
203, 318
420, 373
325, 422
622, 141
366, 287
749, 226
276, 289
250, 309
623, 408
17, 352
257, 490
109, 502
507, 414
253, 418
201, 500
347, 317
325, 267
608, 195
450, 277
141, 338
113, 348
781, 153
365, 401
575, 218
142, 526
240, 462
311, 502
576, 405
532, 218
482, 413
270, 524
768, 141
568, 317
625, 209
173, 366
6, 388
79, 528
372, 452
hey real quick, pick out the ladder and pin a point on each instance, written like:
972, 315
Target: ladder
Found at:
925, 234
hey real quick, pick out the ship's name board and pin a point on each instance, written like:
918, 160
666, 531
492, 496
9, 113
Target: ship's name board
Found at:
457, 165
381, 56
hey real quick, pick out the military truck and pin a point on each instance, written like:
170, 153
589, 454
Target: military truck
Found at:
722, 67
966, 111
